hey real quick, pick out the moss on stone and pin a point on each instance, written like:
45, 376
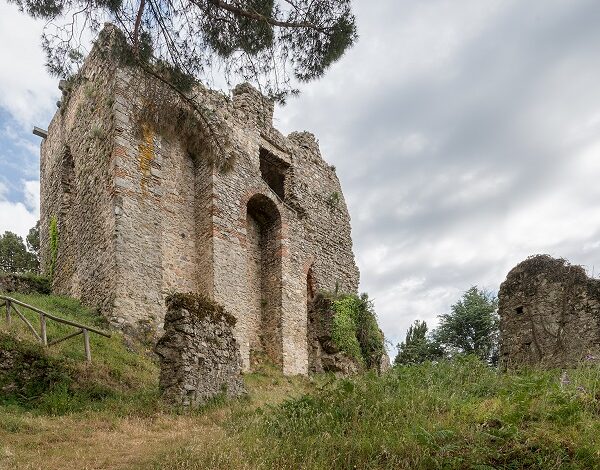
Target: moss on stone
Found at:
146, 153
200, 305
53, 230
344, 327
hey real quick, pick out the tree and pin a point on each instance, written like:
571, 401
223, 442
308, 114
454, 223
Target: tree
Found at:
417, 347
471, 327
14, 257
270, 40
33, 245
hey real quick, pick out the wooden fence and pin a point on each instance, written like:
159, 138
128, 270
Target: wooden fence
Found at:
42, 336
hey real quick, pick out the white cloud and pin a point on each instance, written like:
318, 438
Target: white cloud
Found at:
465, 135
32, 196
27, 91
19, 217
16, 218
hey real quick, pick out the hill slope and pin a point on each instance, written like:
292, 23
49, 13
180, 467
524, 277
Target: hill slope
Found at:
451, 415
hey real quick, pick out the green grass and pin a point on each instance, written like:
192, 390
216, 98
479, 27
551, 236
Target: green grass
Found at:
450, 415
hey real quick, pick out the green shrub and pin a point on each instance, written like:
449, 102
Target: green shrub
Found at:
344, 327
122, 377
355, 329
28, 373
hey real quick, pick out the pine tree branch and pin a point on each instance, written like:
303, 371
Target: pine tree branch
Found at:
253, 15
136, 27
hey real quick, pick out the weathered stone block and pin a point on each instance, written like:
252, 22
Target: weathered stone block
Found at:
199, 356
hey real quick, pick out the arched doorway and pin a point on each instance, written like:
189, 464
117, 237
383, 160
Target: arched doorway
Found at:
263, 232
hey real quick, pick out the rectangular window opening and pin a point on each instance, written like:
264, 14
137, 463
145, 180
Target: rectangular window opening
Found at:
273, 170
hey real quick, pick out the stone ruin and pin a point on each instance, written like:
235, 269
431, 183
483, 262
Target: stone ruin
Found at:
199, 356
141, 208
549, 314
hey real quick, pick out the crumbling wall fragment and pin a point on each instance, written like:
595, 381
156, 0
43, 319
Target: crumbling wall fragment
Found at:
549, 314
199, 356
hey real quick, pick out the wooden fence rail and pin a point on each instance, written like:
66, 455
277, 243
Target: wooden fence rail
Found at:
42, 337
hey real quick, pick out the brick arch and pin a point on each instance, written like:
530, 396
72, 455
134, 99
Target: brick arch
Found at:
256, 192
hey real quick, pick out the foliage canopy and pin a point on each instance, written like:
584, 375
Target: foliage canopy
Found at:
417, 346
268, 41
14, 257
471, 327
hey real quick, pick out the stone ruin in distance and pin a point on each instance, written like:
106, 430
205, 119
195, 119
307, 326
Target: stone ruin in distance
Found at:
138, 217
549, 315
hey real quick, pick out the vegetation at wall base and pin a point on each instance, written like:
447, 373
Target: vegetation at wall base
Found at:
454, 414
30, 282
355, 329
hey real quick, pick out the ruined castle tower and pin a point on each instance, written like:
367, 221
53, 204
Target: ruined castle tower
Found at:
131, 210
549, 314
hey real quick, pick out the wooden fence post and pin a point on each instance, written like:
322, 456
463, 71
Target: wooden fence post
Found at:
43, 327
8, 312
86, 343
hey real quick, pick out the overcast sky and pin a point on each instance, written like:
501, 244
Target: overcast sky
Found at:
466, 135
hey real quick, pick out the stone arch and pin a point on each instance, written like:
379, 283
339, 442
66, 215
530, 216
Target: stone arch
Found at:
264, 276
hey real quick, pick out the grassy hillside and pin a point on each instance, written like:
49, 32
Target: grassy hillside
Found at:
122, 373
451, 415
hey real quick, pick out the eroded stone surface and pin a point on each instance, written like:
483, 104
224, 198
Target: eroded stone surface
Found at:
199, 357
549, 314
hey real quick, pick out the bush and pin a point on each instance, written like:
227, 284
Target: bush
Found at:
25, 283
355, 329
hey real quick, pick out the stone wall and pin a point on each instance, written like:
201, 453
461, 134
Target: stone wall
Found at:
77, 186
24, 283
549, 314
199, 357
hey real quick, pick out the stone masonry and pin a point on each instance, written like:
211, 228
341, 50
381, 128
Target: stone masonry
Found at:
198, 354
549, 314
139, 216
